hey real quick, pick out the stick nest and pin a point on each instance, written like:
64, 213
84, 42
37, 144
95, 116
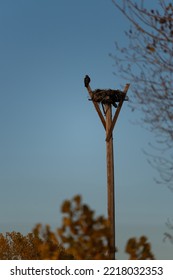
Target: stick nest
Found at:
108, 96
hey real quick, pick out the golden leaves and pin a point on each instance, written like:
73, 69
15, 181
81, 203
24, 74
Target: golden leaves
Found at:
85, 236
66, 206
139, 250
41, 244
82, 236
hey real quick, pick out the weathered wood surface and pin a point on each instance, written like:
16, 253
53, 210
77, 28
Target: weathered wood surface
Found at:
110, 182
109, 134
97, 107
108, 98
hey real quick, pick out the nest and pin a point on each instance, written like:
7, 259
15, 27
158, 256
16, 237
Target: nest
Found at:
108, 96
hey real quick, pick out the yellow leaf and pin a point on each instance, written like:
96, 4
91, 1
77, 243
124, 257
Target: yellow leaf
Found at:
66, 206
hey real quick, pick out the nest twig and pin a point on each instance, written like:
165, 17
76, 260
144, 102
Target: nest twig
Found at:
108, 96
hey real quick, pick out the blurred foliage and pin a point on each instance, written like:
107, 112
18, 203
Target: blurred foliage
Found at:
139, 250
14, 246
82, 236
48, 246
41, 244
85, 236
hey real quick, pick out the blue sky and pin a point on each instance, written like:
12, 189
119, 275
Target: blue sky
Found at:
52, 141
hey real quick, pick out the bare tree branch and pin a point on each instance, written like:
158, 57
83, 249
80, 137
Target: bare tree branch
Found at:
147, 63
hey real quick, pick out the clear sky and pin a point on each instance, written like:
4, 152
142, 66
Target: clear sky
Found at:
52, 143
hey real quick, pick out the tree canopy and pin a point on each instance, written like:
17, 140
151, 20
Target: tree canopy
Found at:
147, 63
82, 236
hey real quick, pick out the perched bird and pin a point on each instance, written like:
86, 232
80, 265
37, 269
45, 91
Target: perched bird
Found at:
87, 81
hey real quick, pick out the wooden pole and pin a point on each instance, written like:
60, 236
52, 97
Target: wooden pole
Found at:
97, 107
108, 135
110, 181
109, 124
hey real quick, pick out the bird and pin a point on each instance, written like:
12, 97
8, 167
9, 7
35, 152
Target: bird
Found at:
87, 80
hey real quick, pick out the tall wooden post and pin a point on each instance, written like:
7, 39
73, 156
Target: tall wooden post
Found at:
108, 124
110, 181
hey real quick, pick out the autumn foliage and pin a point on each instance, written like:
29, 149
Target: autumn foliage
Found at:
85, 236
82, 236
41, 244
139, 249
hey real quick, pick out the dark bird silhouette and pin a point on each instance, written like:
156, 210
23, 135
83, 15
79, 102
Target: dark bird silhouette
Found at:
87, 81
